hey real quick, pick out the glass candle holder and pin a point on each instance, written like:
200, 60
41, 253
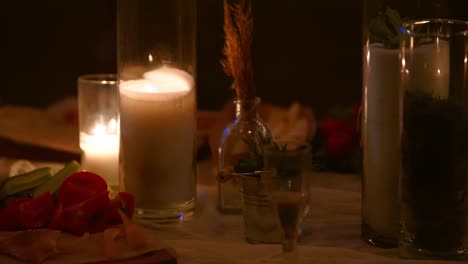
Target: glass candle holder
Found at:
434, 129
156, 64
380, 119
98, 107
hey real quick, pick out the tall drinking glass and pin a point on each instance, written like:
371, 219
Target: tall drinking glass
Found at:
434, 139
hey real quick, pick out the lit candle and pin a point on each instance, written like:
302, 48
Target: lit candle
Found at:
157, 140
100, 152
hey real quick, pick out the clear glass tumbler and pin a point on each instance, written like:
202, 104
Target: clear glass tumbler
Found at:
289, 186
260, 223
434, 139
290, 198
98, 106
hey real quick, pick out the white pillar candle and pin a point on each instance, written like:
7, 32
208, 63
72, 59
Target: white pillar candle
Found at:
381, 141
157, 139
382, 135
100, 152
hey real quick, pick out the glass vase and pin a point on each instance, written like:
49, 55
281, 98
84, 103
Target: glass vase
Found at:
157, 69
240, 151
380, 119
434, 182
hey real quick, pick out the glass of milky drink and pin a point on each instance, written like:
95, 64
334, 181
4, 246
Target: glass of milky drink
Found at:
288, 187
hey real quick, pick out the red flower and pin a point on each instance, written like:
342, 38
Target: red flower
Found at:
332, 125
340, 142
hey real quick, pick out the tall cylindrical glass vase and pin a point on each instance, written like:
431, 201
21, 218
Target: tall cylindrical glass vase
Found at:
380, 119
156, 70
434, 182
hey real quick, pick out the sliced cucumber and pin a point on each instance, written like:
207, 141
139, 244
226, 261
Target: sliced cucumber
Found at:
53, 184
24, 182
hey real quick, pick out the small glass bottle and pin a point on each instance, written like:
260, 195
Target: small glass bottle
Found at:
240, 151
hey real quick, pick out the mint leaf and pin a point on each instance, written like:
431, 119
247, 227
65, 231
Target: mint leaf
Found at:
385, 28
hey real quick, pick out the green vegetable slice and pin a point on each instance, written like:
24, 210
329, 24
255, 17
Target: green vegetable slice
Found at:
54, 183
24, 182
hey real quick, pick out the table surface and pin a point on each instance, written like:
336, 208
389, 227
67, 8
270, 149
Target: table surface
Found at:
331, 231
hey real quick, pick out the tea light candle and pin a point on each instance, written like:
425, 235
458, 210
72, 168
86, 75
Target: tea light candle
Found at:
100, 152
157, 138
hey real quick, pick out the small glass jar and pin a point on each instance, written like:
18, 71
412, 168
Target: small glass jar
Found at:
240, 151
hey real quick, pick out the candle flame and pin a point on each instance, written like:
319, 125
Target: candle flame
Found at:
113, 125
104, 138
101, 129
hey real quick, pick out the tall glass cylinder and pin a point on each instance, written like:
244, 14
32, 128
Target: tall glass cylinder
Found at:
434, 139
380, 134
156, 66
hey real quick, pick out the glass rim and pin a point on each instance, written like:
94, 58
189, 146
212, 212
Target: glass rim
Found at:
254, 174
444, 27
98, 78
301, 147
255, 100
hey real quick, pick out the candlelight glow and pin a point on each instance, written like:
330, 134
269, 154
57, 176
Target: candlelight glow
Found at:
162, 82
422, 22
100, 151
103, 138
102, 129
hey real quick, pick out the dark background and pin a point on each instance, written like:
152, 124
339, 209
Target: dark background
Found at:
305, 50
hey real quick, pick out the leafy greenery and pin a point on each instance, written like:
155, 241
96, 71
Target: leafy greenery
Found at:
287, 164
253, 160
385, 28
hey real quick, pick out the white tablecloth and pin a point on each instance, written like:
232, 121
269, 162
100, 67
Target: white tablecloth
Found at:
331, 233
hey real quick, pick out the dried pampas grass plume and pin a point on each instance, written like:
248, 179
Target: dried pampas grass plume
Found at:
237, 61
